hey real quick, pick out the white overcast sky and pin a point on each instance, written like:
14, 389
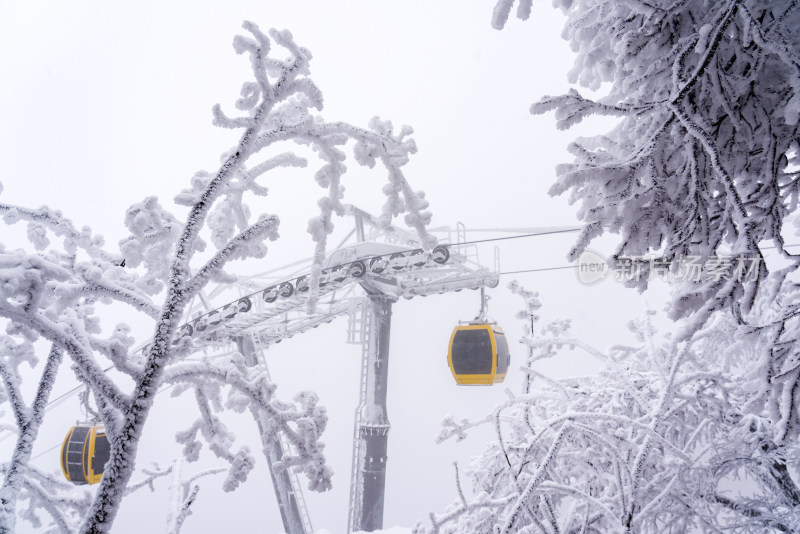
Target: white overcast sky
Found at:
105, 103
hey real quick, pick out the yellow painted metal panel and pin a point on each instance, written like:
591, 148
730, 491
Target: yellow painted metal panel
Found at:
64, 448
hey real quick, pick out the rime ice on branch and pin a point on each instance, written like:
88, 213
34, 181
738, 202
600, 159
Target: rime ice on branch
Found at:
704, 162
52, 292
705, 154
651, 443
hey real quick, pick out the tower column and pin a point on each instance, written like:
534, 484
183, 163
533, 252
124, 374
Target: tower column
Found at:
374, 421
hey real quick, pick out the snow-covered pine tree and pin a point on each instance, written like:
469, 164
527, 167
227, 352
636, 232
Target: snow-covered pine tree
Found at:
52, 291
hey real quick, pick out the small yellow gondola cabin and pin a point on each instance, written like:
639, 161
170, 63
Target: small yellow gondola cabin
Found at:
478, 354
84, 454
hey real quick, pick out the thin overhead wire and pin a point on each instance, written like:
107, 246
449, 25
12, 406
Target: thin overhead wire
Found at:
534, 234
540, 269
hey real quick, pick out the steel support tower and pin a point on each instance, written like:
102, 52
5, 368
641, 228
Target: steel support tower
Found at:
361, 281
371, 436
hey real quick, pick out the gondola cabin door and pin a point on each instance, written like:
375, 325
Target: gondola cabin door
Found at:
478, 354
84, 454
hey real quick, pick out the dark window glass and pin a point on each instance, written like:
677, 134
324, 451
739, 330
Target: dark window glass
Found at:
472, 352
75, 451
102, 452
503, 356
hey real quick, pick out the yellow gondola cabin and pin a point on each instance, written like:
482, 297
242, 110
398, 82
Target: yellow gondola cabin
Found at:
478, 354
84, 454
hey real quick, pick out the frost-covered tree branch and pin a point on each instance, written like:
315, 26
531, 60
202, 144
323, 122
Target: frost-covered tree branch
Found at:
28, 422
56, 291
702, 165
639, 447
301, 422
279, 98
702, 159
